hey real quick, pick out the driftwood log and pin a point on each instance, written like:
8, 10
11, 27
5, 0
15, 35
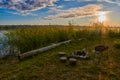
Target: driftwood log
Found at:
33, 52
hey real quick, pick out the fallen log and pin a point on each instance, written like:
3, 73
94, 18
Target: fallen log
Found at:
33, 52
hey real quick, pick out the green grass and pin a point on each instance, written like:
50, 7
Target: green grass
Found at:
47, 66
26, 39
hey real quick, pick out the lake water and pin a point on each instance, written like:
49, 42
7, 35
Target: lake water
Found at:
4, 47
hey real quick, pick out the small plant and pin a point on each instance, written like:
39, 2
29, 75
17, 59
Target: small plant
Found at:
117, 44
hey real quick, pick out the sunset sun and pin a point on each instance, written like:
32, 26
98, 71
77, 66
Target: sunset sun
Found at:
101, 17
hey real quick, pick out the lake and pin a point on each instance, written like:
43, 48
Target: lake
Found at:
4, 47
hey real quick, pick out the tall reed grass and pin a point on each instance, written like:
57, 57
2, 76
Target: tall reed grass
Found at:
114, 34
26, 39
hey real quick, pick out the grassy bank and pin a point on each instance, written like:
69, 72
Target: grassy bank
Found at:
47, 66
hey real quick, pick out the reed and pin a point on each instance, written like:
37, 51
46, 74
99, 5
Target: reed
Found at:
26, 39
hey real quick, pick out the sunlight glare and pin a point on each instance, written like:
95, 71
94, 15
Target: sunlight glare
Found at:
101, 17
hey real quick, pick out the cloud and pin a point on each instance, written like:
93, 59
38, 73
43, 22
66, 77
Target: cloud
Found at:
26, 5
80, 0
22, 14
111, 1
69, 0
55, 8
88, 10
108, 1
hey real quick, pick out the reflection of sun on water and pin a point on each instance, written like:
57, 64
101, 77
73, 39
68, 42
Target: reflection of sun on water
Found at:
101, 17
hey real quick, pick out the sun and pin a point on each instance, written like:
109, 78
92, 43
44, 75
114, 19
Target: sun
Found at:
101, 17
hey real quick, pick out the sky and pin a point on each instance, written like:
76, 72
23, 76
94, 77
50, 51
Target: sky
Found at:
59, 12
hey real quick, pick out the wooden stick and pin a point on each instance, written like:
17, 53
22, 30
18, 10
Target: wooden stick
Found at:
33, 52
